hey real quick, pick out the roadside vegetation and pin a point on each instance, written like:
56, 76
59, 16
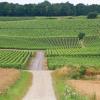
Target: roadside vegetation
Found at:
64, 91
70, 83
19, 89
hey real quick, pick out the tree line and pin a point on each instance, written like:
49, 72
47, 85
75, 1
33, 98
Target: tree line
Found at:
47, 9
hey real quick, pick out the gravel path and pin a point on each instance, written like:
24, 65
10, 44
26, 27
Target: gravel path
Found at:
41, 88
37, 62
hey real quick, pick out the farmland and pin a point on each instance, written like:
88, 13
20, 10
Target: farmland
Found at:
44, 33
40, 27
88, 56
15, 59
14, 84
7, 78
58, 38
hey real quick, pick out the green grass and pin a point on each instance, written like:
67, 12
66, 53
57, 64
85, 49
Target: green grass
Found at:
18, 90
15, 18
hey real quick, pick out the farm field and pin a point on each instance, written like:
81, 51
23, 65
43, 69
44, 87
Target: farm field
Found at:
49, 27
62, 89
45, 42
15, 59
7, 78
14, 84
58, 36
88, 56
22, 37
44, 33
88, 85
70, 84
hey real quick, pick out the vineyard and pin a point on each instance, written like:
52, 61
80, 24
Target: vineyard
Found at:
57, 36
45, 33
15, 59
75, 56
40, 27
45, 42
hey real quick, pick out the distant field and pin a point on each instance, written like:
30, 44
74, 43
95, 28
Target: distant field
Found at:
44, 32
49, 27
15, 18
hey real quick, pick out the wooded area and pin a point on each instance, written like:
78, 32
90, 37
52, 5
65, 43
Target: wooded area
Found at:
47, 9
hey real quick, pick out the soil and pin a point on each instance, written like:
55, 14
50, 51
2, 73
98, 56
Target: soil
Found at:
86, 87
7, 78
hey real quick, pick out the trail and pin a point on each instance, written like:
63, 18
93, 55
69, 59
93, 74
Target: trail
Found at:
37, 62
41, 88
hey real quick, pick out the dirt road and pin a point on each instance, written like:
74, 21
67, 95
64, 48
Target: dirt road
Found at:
37, 62
41, 88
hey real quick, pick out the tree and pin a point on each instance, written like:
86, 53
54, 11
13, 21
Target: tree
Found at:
81, 39
47, 9
81, 9
67, 9
92, 15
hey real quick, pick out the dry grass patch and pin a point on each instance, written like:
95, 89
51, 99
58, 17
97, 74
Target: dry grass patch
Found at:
7, 78
87, 87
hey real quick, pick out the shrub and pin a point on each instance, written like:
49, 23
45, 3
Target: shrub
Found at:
81, 36
92, 15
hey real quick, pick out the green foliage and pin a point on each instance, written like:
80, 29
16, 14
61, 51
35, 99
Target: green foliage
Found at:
81, 36
82, 70
46, 9
77, 72
92, 15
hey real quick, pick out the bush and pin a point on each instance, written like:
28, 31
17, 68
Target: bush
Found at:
77, 72
81, 36
92, 15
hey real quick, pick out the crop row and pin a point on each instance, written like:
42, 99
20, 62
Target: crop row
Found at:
48, 27
45, 42
16, 59
60, 61
90, 51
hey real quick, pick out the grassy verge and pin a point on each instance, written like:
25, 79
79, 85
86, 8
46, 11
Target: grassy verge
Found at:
18, 90
64, 91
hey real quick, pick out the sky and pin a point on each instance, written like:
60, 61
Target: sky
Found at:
53, 1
